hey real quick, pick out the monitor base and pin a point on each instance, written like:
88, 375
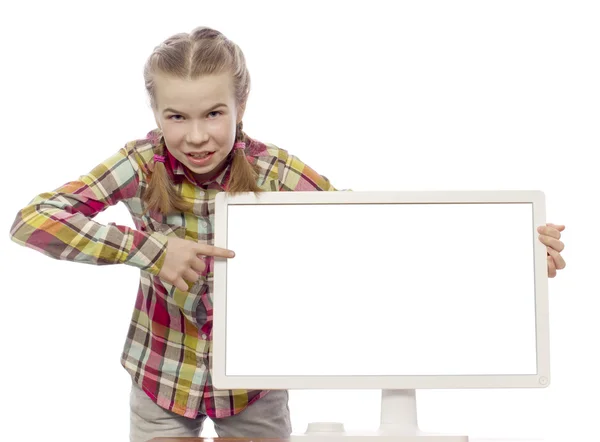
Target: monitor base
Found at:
398, 424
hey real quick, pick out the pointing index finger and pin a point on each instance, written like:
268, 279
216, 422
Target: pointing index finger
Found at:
207, 250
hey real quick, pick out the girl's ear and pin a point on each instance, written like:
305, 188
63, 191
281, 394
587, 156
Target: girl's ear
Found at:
157, 120
240, 114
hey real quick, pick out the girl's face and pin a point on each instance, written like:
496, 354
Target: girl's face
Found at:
198, 117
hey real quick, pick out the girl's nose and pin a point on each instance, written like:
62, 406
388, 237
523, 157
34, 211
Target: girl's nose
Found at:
197, 134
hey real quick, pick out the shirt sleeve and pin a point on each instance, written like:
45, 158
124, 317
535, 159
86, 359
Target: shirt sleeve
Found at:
294, 175
59, 223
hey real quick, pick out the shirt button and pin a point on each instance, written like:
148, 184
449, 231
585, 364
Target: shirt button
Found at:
204, 337
201, 193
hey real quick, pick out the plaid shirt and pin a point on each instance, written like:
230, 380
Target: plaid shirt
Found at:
169, 344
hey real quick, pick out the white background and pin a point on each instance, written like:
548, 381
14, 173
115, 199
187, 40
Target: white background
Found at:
377, 95
356, 301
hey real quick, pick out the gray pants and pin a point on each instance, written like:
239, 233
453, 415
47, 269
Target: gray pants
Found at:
268, 417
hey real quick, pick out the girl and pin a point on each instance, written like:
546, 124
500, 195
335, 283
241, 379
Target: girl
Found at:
198, 86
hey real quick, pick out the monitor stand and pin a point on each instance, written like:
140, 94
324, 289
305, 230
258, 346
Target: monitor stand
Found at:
398, 424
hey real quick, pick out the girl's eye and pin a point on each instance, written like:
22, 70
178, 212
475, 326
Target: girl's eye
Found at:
214, 114
175, 117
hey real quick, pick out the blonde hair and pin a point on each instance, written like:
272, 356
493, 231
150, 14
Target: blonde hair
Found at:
204, 51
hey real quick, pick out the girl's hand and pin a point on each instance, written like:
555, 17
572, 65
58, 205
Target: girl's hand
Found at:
182, 262
550, 237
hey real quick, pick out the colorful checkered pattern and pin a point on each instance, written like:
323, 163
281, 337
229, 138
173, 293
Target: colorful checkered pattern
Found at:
169, 345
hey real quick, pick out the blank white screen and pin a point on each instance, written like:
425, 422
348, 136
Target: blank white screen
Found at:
380, 289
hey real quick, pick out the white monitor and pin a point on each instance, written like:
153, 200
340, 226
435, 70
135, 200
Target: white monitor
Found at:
395, 291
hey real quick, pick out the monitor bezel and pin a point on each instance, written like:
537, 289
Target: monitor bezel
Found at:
540, 380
